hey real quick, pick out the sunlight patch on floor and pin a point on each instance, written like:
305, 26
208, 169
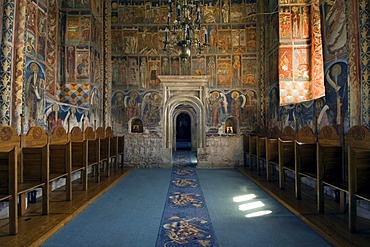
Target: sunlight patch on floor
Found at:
251, 205
254, 205
244, 198
258, 213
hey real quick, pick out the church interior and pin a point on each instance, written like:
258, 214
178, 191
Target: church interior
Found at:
93, 90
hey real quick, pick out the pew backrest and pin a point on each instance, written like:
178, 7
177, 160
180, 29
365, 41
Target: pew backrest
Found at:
306, 135
328, 136
58, 136
288, 134
76, 134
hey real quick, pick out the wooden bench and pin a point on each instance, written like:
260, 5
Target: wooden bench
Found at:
60, 159
33, 172
79, 155
358, 141
286, 153
113, 147
9, 152
252, 143
305, 157
330, 166
93, 153
121, 149
104, 159
272, 151
245, 148
260, 155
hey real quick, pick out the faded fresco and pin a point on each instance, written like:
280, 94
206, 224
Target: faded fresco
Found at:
137, 48
300, 52
334, 107
54, 75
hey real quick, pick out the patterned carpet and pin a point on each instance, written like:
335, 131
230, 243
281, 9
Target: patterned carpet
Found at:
185, 220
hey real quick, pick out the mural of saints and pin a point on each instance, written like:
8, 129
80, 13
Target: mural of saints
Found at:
235, 105
132, 105
34, 96
250, 110
152, 104
216, 104
118, 108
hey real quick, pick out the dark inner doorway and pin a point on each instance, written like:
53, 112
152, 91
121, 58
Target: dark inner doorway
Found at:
183, 132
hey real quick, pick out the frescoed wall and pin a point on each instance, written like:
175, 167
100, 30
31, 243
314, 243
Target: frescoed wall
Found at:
60, 49
230, 60
338, 107
63, 63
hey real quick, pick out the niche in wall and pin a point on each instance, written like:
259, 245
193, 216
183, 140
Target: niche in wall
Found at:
136, 125
231, 126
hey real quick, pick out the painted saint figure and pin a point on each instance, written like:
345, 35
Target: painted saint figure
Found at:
214, 108
34, 104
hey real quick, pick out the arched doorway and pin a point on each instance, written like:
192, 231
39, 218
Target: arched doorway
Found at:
183, 132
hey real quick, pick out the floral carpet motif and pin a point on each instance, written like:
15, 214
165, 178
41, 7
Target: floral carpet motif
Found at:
185, 220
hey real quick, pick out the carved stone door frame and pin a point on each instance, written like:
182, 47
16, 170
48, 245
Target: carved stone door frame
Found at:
178, 91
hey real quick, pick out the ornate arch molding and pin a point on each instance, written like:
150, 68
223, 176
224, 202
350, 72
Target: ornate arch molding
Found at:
184, 90
198, 119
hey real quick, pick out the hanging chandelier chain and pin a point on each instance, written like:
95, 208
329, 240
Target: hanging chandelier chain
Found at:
184, 33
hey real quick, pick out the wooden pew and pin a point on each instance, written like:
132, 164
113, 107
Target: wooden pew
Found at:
252, 143
272, 151
33, 172
93, 153
104, 151
121, 149
305, 157
113, 142
79, 155
60, 159
245, 148
358, 141
261, 149
330, 166
286, 153
9, 152
256, 142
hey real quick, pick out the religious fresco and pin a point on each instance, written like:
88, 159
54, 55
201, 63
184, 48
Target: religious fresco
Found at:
300, 52
34, 93
127, 106
231, 27
137, 57
329, 110
241, 105
335, 31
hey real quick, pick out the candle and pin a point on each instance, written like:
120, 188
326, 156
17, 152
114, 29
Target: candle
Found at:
168, 18
178, 11
206, 36
166, 35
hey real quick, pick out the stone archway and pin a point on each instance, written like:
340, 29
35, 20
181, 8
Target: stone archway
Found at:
179, 91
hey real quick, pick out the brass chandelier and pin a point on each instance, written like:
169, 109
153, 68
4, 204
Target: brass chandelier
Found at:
185, 33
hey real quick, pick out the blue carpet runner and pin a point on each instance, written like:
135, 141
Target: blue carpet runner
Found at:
185, 220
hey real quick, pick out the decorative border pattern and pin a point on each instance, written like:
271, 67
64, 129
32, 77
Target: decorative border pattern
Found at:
6, 51
364, 17
354, 66
20, 61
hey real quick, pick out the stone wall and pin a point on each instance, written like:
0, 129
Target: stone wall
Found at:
146, 150
221, 151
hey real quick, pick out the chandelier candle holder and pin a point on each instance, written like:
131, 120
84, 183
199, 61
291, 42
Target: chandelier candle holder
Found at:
185, 33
